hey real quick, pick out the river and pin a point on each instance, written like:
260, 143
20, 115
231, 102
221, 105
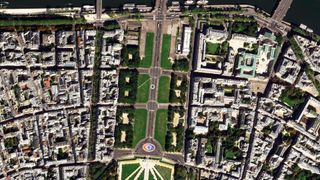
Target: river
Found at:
301, 11
306, 12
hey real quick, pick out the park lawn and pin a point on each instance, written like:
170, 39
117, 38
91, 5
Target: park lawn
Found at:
161, 126
292, 97
141, 177
292, 102
165, 172
151, 177
165, 52
164, 89
133, 176
147, 60
229, 154
143, 88
128, 169
212, 48
158, 176
140, 125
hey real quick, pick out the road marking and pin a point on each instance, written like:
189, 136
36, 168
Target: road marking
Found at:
149, 147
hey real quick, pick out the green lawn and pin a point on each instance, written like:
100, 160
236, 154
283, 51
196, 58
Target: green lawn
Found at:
151, 177
143, 88
292, 102
147, 60
128, 169
165, 172
161, 126
292, 97
157, 176
212, 48
141, 177
165, 52
164, 89
229, 155
140, 125
133, 176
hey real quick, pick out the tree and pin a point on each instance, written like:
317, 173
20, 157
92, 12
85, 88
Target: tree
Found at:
131, 86
130, 56
173, 98
181, 65
180, 172
111, 25
99, 171
247, 28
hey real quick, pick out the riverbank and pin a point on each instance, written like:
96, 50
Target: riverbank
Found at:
23, 11
299, 13
71, 3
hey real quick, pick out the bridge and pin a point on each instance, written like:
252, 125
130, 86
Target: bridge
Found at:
282, 9
274, 23
98, 10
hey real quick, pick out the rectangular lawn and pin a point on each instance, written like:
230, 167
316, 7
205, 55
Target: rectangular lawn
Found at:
212, 48
161, 126
140, 125
292, 97
128, 169
143, 88
148, 52
164, 89
164, 172
165, 52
